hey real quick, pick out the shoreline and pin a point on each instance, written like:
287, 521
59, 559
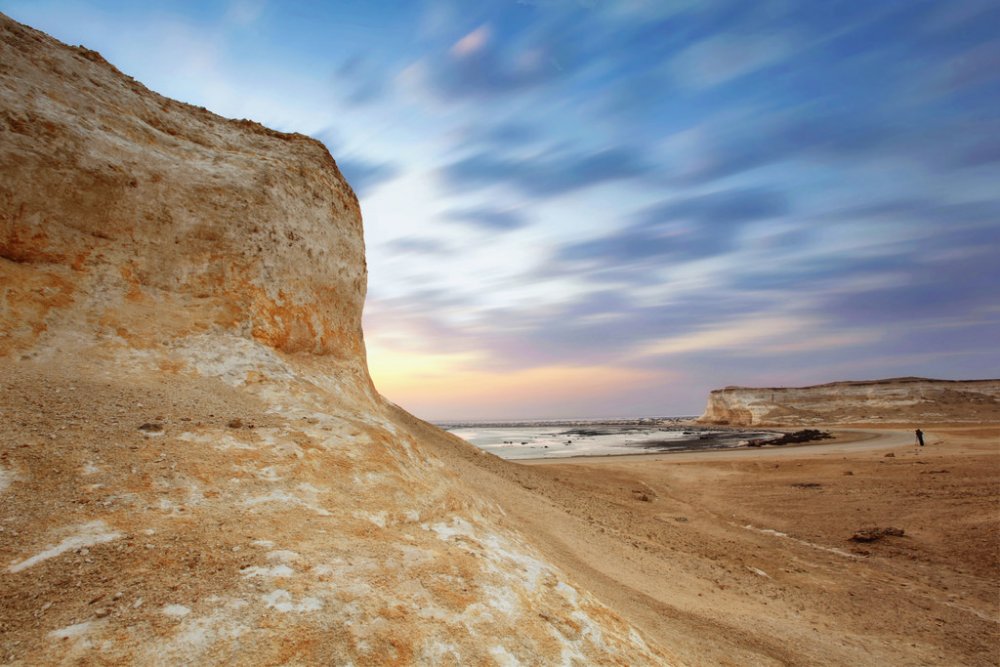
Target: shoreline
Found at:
599, 439
877, 436
841, 437
722, 446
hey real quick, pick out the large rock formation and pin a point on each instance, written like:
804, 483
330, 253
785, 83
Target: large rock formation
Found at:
194, 465
916, 400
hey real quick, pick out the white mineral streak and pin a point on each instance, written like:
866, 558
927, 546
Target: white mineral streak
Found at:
86, 535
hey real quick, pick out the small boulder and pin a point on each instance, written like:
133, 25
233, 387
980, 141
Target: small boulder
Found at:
876, 534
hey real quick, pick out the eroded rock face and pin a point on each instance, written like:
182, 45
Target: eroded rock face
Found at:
127, 205
902, 399
194, 465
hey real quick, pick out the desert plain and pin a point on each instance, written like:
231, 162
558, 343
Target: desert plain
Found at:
745, 556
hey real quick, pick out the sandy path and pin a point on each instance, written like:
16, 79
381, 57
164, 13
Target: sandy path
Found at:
744, 558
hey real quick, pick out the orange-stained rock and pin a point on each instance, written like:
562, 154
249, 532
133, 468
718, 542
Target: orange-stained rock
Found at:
145, 196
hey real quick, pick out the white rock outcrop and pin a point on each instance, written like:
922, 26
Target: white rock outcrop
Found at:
194, 465
877, 401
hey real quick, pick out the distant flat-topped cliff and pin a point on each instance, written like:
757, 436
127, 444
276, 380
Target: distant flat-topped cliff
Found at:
908, 399
194, 465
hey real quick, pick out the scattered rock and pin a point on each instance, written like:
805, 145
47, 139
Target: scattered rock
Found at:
807, 485
798, 437
151, 428
890, 455
875, 534
235, 423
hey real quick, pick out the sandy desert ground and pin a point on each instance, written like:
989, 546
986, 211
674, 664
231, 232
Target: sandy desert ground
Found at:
736, 557
746, 557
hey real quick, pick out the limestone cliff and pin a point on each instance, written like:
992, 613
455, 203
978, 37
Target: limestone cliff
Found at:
194, 465
916, 400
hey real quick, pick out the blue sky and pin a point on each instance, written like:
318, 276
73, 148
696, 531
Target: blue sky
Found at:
585, 208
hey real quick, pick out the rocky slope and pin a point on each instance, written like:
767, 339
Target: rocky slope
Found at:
914, 400
194, 465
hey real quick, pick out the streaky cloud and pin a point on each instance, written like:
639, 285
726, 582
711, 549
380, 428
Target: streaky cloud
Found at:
548, 175
685, 227
414, 245
489, 218
365, 175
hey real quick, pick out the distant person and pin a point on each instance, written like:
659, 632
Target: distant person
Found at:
920, 437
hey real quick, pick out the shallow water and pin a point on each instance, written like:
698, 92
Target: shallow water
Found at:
528, 441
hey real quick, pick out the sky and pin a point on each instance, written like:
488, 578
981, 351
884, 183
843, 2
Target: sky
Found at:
579, 208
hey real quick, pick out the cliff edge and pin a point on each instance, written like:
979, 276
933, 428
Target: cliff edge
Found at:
194, 465
915, 400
